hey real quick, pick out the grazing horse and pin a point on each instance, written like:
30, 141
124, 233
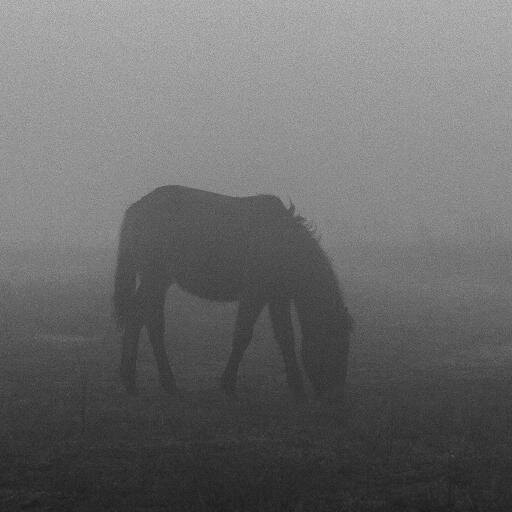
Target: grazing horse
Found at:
252, 250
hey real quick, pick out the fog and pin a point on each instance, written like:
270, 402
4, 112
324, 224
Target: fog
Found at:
378, 119
388, 124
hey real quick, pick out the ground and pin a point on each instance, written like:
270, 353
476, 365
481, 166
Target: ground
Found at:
426, 424
73, 440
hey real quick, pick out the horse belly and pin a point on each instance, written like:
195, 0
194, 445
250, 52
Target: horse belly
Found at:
215, 287
212, 260
210, 276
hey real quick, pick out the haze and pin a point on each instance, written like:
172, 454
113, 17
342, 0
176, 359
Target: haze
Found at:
373, 117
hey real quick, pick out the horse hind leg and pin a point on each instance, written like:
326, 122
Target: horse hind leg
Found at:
155, 287
248, 312
129, 344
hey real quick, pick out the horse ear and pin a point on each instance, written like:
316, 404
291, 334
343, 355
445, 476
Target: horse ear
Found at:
291, 208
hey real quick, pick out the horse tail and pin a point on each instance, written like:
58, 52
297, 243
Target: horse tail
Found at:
126, 272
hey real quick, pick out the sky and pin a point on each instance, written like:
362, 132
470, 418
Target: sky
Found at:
379, 119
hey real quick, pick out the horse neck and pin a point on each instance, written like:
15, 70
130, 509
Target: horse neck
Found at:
318, 299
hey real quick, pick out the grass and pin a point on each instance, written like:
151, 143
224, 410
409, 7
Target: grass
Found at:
426, 425
433, 441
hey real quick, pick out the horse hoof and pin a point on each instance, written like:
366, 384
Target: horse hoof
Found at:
300, 399
232, 399
169, 387
228, 386
229, 391
131, 389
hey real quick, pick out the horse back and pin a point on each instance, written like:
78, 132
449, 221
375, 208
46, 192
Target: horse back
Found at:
214, 245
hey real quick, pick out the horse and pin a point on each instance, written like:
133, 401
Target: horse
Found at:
253, 250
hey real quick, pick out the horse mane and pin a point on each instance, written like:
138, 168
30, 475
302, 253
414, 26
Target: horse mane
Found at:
306, 224
320, 286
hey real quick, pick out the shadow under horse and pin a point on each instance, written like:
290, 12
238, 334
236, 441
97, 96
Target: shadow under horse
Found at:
252, 250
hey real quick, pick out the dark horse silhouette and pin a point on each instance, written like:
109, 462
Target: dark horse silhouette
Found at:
252, 250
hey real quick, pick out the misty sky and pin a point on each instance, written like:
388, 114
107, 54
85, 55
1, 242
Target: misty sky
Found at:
372, 116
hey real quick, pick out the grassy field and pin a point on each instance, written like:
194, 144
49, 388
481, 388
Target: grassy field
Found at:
426, 426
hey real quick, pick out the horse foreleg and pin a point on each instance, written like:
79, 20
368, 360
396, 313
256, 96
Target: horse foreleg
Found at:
248, 312
130, 342
280, 316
